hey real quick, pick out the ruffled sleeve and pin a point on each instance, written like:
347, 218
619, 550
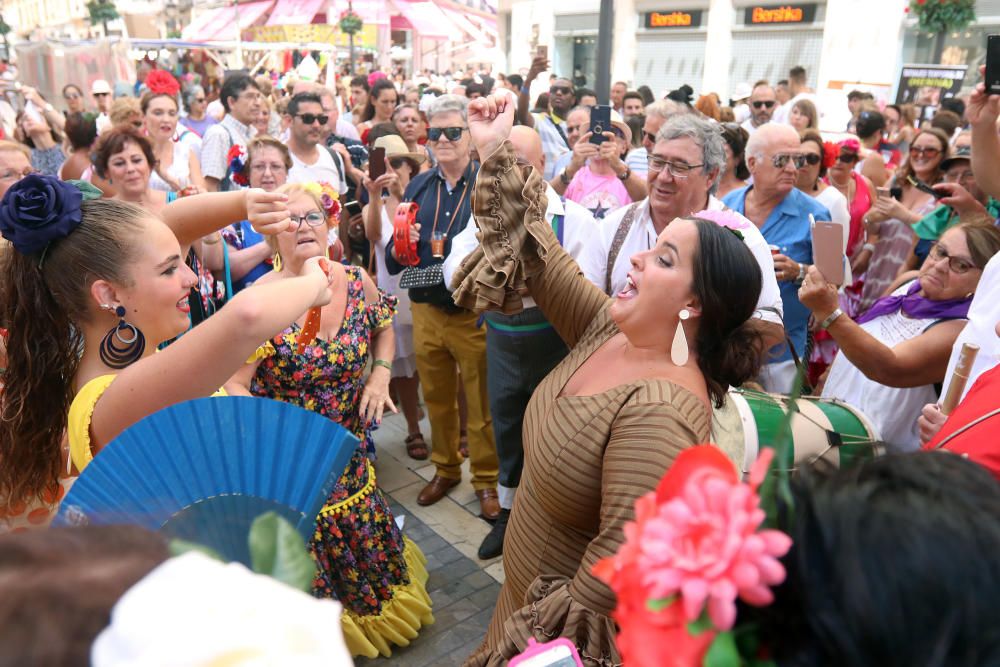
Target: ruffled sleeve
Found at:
81, 411
518, 251
263, 352
380, 312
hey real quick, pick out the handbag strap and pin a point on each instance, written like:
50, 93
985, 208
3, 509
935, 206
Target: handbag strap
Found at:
624, 227
974, 422
228, 274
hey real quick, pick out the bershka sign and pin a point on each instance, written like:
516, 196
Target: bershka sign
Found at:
779, 14
674, 19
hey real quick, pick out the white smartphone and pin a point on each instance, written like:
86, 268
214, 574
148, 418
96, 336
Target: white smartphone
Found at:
557, 653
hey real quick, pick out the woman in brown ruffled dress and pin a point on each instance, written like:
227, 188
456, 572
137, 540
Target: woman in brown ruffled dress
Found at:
606, 423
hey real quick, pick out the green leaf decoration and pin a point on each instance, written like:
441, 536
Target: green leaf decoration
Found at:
180, 547
722, 652
703, 624
277, 550
936, 16
88, 190
661, 604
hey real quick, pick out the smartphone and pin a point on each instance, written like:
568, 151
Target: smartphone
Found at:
376, 163
353, 208
896, 192
828, 250
557, 653
992, 78
883, 193
600, 121
542, 51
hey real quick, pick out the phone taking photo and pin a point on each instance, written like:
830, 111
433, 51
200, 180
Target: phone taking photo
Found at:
376, 163
828, 250
992, 76
600, 122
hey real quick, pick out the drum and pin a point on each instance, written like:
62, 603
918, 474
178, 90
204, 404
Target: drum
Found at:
822, 428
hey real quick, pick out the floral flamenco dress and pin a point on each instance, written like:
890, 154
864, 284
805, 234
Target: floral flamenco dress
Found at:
362, 558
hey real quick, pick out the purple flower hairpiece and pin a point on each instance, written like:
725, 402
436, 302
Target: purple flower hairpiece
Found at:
728, 219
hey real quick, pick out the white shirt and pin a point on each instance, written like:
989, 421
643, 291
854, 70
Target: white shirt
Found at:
749, 126
642, 236
984, 313
347, 130
323, 170
781, 113
578, 226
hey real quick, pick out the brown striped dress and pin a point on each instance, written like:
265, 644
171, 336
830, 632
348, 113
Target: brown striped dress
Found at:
586, 458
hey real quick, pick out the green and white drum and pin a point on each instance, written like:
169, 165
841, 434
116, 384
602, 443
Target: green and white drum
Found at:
822, 429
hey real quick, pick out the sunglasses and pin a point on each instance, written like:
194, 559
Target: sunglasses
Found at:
649, 136
310, 118
450, 133
71, 96
780, 161
847, 158
398, 162
759, 104
924, 152
101, 94
560, 90
811, 159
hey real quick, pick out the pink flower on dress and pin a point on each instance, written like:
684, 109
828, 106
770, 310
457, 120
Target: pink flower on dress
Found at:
700, 538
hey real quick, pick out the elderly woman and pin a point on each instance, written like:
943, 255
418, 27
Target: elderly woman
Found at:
413, 128
637, 386
195, 103
126, 160
893, 355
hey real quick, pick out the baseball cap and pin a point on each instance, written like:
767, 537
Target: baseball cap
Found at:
100, 86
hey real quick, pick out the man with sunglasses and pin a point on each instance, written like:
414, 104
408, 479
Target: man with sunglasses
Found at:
446, 336
550, 125
762, 104
241, 99
781, 212
684, 167
311, 161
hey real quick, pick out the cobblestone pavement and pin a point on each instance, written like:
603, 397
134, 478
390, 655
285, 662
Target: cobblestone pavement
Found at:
463, 588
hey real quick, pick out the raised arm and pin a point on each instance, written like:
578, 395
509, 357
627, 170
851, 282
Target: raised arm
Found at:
193, 217
518, 247
982, 113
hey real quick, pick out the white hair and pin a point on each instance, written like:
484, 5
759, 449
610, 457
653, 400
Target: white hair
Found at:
665, 109
765, 135
448, 104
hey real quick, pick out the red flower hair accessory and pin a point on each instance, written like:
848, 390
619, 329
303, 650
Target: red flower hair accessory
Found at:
328, 196
696, 545
162, 82
830, 153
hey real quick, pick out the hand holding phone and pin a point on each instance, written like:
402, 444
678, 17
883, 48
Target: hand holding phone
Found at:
828, 250
376, 163
992, 75
600, 122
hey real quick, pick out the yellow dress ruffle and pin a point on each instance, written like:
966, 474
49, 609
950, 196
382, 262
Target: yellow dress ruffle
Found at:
401, 617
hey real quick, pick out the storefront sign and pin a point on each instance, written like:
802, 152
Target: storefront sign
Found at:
927, 85
779, 14
674, 19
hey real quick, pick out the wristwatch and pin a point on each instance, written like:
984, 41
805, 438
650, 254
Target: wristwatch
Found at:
624, 175
802, 274
564, 178
831, 318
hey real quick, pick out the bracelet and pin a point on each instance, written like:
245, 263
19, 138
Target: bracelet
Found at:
825, 324
624, 176
870, 247
526, 90
383, 363
802, 274
564, 178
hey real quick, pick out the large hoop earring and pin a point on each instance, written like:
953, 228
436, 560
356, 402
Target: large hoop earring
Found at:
123, 345
679, 349
276, 262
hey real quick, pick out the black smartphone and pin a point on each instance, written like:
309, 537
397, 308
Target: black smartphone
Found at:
376, 163
896, 193
353, 208
992, 78
600, 121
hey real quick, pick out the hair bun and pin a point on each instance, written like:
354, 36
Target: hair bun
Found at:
37, 210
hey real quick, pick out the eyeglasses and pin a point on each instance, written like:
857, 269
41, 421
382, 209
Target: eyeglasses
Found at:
848, 158
71, 96
312, 218
649, 136
15, 175
560, 90
811, 159
781, 160
955, 264
580, 129
919, 151
450, 133
959, 177
762, 104
676, 169
310, 118
261, 167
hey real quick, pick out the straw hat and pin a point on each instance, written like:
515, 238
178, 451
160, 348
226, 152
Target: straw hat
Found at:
395, 147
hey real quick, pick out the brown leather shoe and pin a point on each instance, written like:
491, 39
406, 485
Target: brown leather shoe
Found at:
436, 489
489, 504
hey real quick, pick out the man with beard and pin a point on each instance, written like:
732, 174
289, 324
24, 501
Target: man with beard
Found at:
311, 162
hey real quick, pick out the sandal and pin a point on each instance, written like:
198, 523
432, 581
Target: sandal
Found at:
463, 445
416, 447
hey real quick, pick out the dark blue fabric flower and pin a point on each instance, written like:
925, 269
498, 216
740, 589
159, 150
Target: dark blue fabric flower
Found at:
37, 210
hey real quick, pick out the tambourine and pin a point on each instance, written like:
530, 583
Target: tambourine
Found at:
406, 250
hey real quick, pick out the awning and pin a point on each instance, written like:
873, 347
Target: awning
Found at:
371, 11
469, 28
424, 18
220, 24
294, 12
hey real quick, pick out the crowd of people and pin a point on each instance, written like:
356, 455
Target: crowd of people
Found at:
569, 306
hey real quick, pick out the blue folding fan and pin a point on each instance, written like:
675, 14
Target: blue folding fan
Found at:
203, 470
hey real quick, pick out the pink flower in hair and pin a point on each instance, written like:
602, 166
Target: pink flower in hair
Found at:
728, 219
850, 145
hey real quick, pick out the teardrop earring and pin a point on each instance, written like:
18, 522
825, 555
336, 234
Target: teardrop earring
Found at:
679, 349
276, 262
124, 344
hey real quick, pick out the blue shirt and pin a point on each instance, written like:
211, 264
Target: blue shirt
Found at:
788, 228
454, 210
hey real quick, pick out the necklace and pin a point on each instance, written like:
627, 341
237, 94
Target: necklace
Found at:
458, 207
